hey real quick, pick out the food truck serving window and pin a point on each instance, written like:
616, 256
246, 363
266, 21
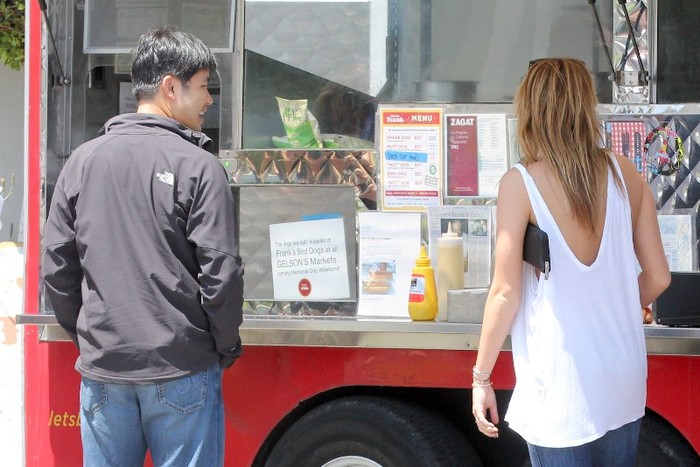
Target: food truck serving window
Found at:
343, 58
114, 27
329, 56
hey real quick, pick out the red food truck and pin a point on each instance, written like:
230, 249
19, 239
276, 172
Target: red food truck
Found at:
410, 104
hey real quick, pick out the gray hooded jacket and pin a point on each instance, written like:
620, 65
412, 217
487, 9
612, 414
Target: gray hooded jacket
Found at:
140, 259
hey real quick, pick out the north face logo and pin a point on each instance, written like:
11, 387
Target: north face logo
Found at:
166, 177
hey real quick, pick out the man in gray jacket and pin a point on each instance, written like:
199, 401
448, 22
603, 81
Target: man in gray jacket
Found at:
141, 266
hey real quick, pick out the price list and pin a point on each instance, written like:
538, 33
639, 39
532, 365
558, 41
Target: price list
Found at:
410, 157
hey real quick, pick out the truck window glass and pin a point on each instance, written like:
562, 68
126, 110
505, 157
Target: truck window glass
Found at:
345, 57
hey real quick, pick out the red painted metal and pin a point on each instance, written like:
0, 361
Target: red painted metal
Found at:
269, 382
42, 443
672, 392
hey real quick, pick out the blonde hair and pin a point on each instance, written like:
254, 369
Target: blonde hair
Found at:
558, 123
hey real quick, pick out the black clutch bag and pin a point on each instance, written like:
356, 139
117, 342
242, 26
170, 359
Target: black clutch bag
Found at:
536, 249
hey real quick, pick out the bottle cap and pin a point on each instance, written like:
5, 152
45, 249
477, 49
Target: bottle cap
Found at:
423, 259
450, 237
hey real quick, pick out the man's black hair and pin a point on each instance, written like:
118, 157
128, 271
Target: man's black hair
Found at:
165, 51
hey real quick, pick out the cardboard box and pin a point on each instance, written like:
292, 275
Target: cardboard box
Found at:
466, 305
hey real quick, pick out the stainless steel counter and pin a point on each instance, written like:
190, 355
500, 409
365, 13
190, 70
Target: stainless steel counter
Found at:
384, 333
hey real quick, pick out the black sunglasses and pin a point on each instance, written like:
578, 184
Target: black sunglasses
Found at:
533, 61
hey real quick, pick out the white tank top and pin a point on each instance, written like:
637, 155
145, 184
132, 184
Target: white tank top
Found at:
578, 342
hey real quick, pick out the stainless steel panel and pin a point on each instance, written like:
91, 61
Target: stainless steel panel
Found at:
394, 334
623, 54
265, 204
301, 172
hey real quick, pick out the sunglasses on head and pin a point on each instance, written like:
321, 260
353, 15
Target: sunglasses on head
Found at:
533, 61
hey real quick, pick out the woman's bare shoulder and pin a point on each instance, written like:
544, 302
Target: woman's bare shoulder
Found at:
625, 163
634, 184
633, 180
512, 179
512, 193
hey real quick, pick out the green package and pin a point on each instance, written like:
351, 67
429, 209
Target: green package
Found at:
299, 124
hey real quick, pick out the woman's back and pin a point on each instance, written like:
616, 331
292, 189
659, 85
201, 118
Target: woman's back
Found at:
579, 332
582, 242
585, 244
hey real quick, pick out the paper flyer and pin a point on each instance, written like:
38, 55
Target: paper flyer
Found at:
388, 247
475, 225
493, 152
678, 240
309, 260
127, 101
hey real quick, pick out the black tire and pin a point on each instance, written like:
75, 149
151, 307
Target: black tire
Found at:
367, 430
661, 445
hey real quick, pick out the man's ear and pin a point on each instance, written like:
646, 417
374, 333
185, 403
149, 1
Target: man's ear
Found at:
168, 86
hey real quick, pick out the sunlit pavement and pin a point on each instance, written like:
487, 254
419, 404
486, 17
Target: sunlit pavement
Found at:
11, 296
10, 394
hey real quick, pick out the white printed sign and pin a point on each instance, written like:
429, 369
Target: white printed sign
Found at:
309, 260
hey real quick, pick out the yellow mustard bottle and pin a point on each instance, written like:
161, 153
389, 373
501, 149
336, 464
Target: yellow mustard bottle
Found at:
422, 300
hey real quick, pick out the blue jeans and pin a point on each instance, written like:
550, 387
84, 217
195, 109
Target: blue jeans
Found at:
617, 448
180, 421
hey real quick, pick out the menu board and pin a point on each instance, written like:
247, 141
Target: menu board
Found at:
411, 145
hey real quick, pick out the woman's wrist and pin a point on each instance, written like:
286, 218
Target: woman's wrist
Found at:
480, 378
482, 384
480, 375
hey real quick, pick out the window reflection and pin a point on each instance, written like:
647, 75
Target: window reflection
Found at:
346, 57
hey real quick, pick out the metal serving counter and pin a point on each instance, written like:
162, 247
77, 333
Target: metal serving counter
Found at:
383, 333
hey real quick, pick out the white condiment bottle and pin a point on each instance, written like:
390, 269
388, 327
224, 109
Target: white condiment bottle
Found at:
450, 268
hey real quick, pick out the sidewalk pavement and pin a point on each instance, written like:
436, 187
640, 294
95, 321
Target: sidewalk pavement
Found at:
11, 438
11, 401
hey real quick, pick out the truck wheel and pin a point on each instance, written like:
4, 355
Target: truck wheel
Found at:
372, 431
661, 444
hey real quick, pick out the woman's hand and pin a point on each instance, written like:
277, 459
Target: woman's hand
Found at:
483, 402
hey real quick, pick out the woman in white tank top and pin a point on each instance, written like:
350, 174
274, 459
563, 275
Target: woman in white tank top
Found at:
577, 337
